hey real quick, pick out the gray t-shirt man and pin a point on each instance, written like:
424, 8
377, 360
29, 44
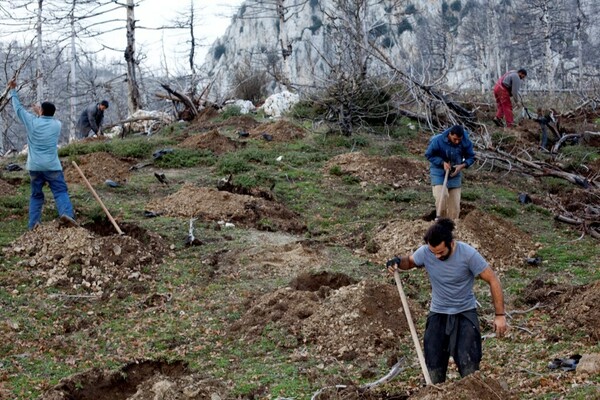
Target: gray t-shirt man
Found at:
452, 280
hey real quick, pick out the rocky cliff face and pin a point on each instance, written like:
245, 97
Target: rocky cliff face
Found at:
466, 43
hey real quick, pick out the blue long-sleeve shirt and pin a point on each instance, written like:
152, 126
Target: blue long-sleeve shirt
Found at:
441, 150
42, 138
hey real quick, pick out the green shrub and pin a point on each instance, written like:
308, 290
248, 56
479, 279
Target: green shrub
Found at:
232, 164
336, 170
350, 179
185, 158
246, 181
576, 156
230, 111
470, 195
135, 148
78, 148
509, 212
307, 109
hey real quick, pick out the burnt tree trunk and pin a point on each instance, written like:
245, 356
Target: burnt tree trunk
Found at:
134, 90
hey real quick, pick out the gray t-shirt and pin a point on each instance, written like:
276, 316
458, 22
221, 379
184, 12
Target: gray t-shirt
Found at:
452, 280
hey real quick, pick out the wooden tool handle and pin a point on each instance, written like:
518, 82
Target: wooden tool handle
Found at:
112, 220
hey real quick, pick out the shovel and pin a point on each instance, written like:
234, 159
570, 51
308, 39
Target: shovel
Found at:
90, 187
443, 196
525, 110
411, 325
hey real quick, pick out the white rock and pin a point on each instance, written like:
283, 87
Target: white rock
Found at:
279, 103
245, 106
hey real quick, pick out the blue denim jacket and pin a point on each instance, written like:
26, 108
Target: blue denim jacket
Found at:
42, 138
440, 149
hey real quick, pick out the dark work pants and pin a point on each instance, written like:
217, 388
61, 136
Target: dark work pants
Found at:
455, 335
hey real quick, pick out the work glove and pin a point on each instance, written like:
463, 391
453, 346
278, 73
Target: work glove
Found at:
393, 263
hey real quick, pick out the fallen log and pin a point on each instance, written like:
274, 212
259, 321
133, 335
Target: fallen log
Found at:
189, 104
563, 139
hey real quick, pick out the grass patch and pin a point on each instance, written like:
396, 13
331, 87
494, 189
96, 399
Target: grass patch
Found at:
186, 158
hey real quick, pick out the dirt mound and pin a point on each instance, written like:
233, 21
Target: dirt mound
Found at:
239, 123
501, 244
357, 321
212, 141
354, 321
575, 307
141, 380
395, 171
213, 205
539, 291
78, 261
398, 238
6, 189
98, 167
473, 386
280, 131
286, 308
314, 281
206, 114
263, 260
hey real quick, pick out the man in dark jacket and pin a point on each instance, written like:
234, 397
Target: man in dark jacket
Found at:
507, 86
450, 151
91, 119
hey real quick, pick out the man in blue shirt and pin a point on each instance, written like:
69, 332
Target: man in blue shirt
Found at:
450, 151
452, 327
43, 131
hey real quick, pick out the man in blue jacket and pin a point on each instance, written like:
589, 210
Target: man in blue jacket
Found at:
43, 131
450, 151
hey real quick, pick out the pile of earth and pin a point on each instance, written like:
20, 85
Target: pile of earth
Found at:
503, 245
140, 380
394, 171
474, 386
240, 123
338, 317
574, 307
6, 189
78, 260
212, 141
261, 259
210, 204
98, 167
280, 131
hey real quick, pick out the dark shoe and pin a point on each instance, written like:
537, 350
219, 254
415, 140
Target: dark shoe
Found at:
498, 122
67, 221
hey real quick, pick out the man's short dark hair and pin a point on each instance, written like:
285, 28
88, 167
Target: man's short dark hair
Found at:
522, 71
457, 130
104, 103
48, 109
440, 232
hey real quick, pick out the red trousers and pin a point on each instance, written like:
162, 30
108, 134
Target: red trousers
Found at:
503, 104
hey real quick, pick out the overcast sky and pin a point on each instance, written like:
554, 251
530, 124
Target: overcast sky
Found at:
170, 46
213, 16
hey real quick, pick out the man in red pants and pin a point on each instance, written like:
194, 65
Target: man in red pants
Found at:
507, 86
